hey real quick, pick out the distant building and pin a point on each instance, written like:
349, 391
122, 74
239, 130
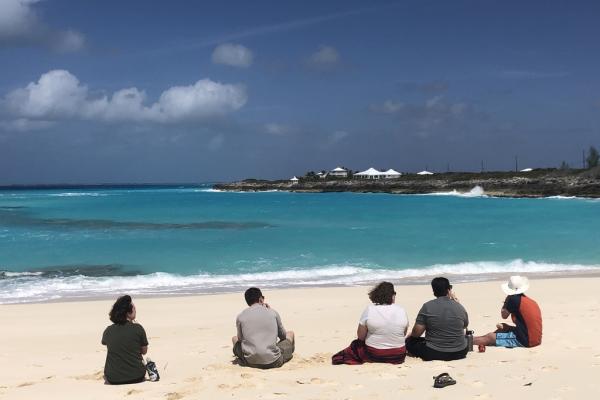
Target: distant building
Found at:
294, 180
338, 172
391, 174
370, 173
322, 175
424, 173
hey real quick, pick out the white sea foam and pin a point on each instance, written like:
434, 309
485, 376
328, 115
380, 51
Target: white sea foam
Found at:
25, 287
77, 194
209, 190
9, 274
477, 191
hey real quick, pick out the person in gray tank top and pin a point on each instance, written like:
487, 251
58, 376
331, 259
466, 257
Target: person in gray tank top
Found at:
443, 320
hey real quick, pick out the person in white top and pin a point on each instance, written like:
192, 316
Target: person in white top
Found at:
381, 331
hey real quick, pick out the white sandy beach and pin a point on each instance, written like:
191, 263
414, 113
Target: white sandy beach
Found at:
53, 350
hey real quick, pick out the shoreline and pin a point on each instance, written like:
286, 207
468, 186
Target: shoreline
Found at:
54, 350
413, 281
538, 183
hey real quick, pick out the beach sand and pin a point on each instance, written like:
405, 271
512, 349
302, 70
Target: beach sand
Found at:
53, 350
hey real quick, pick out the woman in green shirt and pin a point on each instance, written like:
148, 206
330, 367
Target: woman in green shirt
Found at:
126, 342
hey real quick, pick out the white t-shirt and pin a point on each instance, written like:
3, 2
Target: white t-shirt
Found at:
385, 325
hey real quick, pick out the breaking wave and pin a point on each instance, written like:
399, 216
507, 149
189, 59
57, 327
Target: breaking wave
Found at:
35, 286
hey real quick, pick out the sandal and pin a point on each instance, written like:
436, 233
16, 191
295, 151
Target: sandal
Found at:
443, 380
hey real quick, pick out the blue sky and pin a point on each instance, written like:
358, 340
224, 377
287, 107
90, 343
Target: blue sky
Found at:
185, 91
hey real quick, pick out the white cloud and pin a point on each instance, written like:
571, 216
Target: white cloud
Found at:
326, 58
23, 125
526, 74
216, 142
277, 129
20, 25
338, 136
434, 101
434, 115
58, 95
234, 55
388, 107
16, 18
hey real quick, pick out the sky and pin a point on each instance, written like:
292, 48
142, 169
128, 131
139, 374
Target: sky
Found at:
186, 91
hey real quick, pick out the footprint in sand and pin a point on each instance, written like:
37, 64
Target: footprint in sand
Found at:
133, 391
246, 375
566, 388
24, 384
173, 396
477, 384
549, 368
385, 376
97, 376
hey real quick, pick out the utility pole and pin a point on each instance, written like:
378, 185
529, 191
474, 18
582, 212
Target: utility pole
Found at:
583, 159
448, 168
482, 169
516, 163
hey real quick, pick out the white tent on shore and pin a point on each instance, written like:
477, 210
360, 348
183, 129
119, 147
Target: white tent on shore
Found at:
527, 170
370, 173
424, 173
391, 174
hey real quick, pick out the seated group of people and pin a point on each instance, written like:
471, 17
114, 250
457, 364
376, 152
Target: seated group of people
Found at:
262, 341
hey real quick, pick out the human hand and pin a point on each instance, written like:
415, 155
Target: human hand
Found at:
452, 295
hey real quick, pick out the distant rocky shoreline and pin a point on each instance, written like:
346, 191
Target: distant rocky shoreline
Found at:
534, 184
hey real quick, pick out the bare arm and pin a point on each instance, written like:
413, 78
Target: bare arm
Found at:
417, 330
505, 313
361, 332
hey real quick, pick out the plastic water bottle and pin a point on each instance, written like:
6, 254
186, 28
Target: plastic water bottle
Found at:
152, 370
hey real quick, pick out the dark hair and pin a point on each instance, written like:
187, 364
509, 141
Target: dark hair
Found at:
253, 295
383, 293
119, 311
440, 286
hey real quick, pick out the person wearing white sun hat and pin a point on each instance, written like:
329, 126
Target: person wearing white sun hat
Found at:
524, 312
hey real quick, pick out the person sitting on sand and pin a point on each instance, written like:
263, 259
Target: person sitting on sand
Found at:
381, 331
443, 321
524, 312
258, 329
126, 342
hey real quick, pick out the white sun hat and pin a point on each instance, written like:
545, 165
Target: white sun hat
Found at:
516, 285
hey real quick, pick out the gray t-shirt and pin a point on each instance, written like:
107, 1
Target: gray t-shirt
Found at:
445, 321
258, 328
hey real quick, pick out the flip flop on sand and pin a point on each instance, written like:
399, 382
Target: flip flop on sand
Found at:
443, 380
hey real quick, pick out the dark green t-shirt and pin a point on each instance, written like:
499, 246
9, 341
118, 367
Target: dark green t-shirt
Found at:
123, 358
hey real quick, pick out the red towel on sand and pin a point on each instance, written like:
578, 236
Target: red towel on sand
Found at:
358, 353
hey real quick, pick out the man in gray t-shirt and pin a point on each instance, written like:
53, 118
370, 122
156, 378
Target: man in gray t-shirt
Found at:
443, 321
261, 340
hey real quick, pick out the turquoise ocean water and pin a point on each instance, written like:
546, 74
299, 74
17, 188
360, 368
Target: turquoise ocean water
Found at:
95, 242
